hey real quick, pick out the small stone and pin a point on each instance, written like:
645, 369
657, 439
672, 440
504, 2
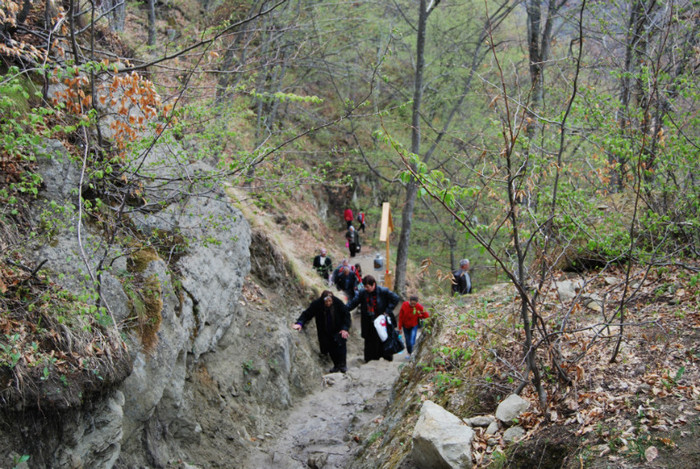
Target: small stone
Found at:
612, 280
643, 388
481, 421
513, 433
492, 428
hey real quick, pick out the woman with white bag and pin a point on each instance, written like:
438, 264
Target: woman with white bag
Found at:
374, 301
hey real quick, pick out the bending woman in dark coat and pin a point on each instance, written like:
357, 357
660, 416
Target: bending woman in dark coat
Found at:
332, 325
373, 301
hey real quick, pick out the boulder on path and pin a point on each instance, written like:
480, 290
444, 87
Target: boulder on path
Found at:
511, 408
441, 440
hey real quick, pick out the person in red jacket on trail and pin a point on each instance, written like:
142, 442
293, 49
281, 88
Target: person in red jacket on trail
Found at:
348, 216
410, 313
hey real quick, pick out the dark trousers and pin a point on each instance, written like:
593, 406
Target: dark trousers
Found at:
338, 351
374, 348
353, 249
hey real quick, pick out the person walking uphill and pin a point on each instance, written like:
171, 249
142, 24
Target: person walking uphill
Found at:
361, 221
323, 264
353, 238
346, 281
373, 301
347, 215
332, 326
410, 313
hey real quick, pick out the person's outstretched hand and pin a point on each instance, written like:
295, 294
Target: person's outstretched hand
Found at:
344, 334
296, 327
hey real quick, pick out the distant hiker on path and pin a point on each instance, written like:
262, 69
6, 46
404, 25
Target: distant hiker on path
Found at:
410, 314
332, 326
373, 301
323, 264
348, 216
338, 270
361, 221
358, 274
353, 238
346, 282
461, 281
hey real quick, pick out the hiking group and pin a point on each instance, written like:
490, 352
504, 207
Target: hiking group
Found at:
378, 325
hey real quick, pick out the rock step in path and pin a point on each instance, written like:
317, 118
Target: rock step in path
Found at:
319, 431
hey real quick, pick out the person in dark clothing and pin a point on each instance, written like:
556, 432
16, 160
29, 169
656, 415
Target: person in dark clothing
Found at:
373, 301
323, 264
361, 220
332, 326
353, 238
346, 281
461, 281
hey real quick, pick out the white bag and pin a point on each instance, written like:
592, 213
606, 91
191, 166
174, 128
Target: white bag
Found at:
380, 326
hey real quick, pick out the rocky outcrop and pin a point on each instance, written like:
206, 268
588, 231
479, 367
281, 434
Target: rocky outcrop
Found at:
207, 366
441, 440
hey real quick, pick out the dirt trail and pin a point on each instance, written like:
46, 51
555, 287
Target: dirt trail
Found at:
319, 430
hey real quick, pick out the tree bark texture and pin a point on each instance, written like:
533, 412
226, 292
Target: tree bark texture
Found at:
412, 186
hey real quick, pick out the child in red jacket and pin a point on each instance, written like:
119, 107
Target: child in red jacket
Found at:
409, 315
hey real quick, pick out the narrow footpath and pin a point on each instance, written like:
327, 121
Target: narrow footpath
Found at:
320, 430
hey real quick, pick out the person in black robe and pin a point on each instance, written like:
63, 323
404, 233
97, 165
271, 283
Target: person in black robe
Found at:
332, 326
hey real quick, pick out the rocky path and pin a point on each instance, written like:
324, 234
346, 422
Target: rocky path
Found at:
320, 430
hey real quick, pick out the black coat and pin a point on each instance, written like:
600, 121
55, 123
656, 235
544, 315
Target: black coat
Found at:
325, 269
353, 237
387, 300
328, 333
462, 282
346, 283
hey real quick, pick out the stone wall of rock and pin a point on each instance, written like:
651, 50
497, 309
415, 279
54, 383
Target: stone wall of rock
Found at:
214, 370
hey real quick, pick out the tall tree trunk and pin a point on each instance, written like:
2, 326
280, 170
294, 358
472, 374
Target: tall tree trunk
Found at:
636, 21
151, 22
412, 186
539, 37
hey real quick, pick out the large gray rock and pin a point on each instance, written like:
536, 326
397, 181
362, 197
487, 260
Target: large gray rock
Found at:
568, 289
511, 408
441, 440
